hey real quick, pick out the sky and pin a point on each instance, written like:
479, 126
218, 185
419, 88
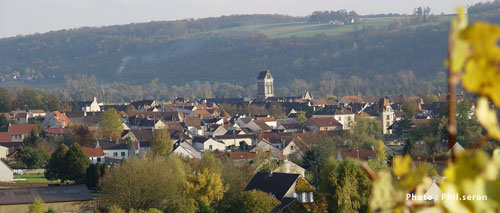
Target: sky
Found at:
23, 17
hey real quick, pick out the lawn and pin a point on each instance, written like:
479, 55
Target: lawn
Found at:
303, 29
33, 178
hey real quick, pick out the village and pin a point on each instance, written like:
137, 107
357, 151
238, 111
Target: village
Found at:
196, 127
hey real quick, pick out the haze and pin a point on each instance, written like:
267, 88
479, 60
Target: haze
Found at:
21, 17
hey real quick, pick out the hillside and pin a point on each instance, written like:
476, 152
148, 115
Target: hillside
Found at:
233, 49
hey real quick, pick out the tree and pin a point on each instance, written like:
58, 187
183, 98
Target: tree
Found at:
313, 161
4, 123
409, 108
254, 201
365, 132
82, 135
161, 145
76, 163
429, 98
381, 152
53, 103
151, 182
345, 185
30, 99
93, 174
301, 117
32, 140
37, 206
56, 166
34, 158
205, 187
110, 125
5, 101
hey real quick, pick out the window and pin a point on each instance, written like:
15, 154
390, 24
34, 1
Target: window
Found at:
388, 117
349, 118
123, 154
388, 124
98, 159
210, 147
340, 118
115, 154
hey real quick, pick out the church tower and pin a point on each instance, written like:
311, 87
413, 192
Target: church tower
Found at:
265, 87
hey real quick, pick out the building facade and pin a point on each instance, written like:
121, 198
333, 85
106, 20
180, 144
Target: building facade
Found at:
265, 85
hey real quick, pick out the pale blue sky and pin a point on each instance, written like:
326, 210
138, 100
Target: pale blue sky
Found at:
20, 17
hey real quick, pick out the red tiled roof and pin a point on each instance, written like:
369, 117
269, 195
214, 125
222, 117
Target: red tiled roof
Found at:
266, 119
57, 131
324, 121
93, 152
241, 155
270, 136
5, 136
364, 154
22, 128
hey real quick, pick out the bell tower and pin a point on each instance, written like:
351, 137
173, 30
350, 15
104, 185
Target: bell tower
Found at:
265, 85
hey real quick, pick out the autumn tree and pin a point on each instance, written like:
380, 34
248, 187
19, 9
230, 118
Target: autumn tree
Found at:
254, 201
4, 123
110, 125
206, 186
161, 144
301, 117
152, 182
345, 186
380, 150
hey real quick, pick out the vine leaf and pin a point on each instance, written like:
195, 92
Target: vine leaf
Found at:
481, 71
488, 118
401, 165
459, 48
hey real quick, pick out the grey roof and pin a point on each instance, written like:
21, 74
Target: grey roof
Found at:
111, 145
263, 74
277, 184
51, 194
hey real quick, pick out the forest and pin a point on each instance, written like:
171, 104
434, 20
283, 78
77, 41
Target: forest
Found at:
405, 56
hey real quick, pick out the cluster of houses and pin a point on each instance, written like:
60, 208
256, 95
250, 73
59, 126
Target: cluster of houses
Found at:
197, 126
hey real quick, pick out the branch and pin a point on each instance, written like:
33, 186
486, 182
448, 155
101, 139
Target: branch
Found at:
367, 169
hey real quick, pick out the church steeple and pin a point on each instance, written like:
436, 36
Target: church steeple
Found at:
265, 85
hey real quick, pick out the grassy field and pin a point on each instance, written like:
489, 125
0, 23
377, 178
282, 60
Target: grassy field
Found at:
301, 29
33, 178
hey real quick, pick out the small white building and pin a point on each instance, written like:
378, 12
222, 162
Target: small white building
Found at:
96, 155
187, 150
204, 144
6, 173
89, 106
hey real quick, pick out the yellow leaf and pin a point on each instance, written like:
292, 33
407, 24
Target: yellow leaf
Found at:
483, 38
459, 48
401, 165
488, 118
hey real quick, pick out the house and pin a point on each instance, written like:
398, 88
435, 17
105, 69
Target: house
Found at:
287, 166
5, 137
56, 120
96, 155
258, 125
290, 148
361, 154
205, 143
20, 131
185, 149
21, 117
4, 151
55, 131
270, 121
62, 198
290, 127
113, 149
284, 187
323, 124
89, 106
230, 139
264, 146
195, 126
457, 148
36, 113
6, 174
340, 113
216, 130
144, 105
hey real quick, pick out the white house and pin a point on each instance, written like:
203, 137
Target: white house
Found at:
234, 140
187, 150
6, 173
204, 143
96, 155
343, 116
89, 106
112, 149
290, 167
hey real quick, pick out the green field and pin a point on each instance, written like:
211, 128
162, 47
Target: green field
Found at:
302, 29
33, 178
